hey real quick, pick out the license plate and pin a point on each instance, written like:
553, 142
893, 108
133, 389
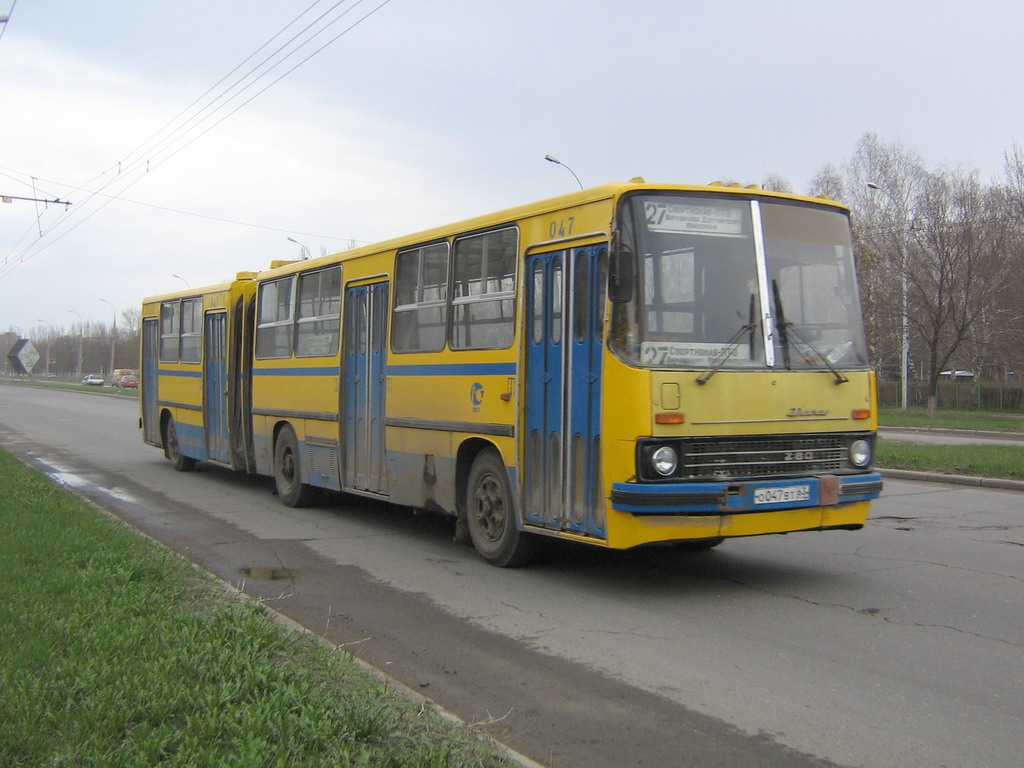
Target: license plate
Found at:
782, 495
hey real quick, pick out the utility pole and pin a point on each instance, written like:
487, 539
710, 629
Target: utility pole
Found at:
113, 341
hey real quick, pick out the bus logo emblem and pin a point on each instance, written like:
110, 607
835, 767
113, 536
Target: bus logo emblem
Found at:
476, 395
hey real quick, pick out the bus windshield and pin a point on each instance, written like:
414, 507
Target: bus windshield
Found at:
738, 284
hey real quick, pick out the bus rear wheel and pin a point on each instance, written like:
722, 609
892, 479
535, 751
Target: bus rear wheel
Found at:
490, 514
288, 471
172, 448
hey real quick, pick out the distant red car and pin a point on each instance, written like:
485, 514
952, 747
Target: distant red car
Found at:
129, 382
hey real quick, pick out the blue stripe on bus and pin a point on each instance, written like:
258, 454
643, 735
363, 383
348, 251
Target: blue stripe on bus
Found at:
454, 369
324, 371
438, 369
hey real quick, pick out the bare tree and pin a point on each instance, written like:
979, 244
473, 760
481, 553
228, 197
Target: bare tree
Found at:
130, 319
1004, 323
881, 185
773, 182
130, 338
828, 182
936, 252
959, 265
1014, 167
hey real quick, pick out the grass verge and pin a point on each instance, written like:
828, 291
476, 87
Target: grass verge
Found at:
976, 460
999, 421
73, 386
115, 652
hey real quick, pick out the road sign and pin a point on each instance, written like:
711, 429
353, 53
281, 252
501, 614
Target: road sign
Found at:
23, 356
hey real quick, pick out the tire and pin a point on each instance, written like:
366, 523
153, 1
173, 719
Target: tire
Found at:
491, 515
172, 449
288, 471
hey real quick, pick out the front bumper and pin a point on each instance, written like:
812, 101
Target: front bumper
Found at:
744, 496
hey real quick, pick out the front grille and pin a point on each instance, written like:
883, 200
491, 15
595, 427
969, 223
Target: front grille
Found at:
769, 456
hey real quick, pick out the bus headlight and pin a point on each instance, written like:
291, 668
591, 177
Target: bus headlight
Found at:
860, 453
664, 461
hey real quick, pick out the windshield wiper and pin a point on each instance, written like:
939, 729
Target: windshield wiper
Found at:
730, 346
785, 328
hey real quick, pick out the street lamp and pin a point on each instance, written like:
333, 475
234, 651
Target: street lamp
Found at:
905, 320
113, 339
81, 330
556, 161
186, 282
305, 250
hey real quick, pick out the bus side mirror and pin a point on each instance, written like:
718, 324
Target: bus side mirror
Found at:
620, 275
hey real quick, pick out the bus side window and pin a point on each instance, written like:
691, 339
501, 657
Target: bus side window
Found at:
319, 320
274, 329
421, 296
191, 330
170, 325
483, 285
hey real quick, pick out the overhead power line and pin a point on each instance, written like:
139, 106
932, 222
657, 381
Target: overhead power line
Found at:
180, 123
239, 223
5, 18
289, 71
187, 127
120, 198
9, 198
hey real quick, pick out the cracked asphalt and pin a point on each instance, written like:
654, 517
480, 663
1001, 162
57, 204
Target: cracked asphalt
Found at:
896, 645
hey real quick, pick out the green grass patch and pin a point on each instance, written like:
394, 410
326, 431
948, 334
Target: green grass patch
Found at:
999, 421
977, 460
115, 652
73, 386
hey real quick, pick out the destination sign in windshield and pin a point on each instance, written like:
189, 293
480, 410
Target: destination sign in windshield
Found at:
680, 355
692, 218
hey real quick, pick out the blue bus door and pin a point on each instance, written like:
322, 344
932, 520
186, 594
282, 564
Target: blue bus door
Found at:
148, 382
215, 387
366, 317
562, 481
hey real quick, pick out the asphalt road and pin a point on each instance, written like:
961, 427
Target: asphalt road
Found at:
899, 645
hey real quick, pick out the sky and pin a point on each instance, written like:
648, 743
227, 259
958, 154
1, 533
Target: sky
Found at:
425, 112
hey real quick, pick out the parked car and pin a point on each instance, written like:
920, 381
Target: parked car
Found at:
120, 373
93, 379
129, 381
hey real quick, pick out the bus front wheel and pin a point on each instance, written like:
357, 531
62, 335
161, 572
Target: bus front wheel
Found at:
490, 514
172, 449
288, 471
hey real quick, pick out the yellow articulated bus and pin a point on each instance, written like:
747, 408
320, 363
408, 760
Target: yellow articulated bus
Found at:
624, 365
194, 382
